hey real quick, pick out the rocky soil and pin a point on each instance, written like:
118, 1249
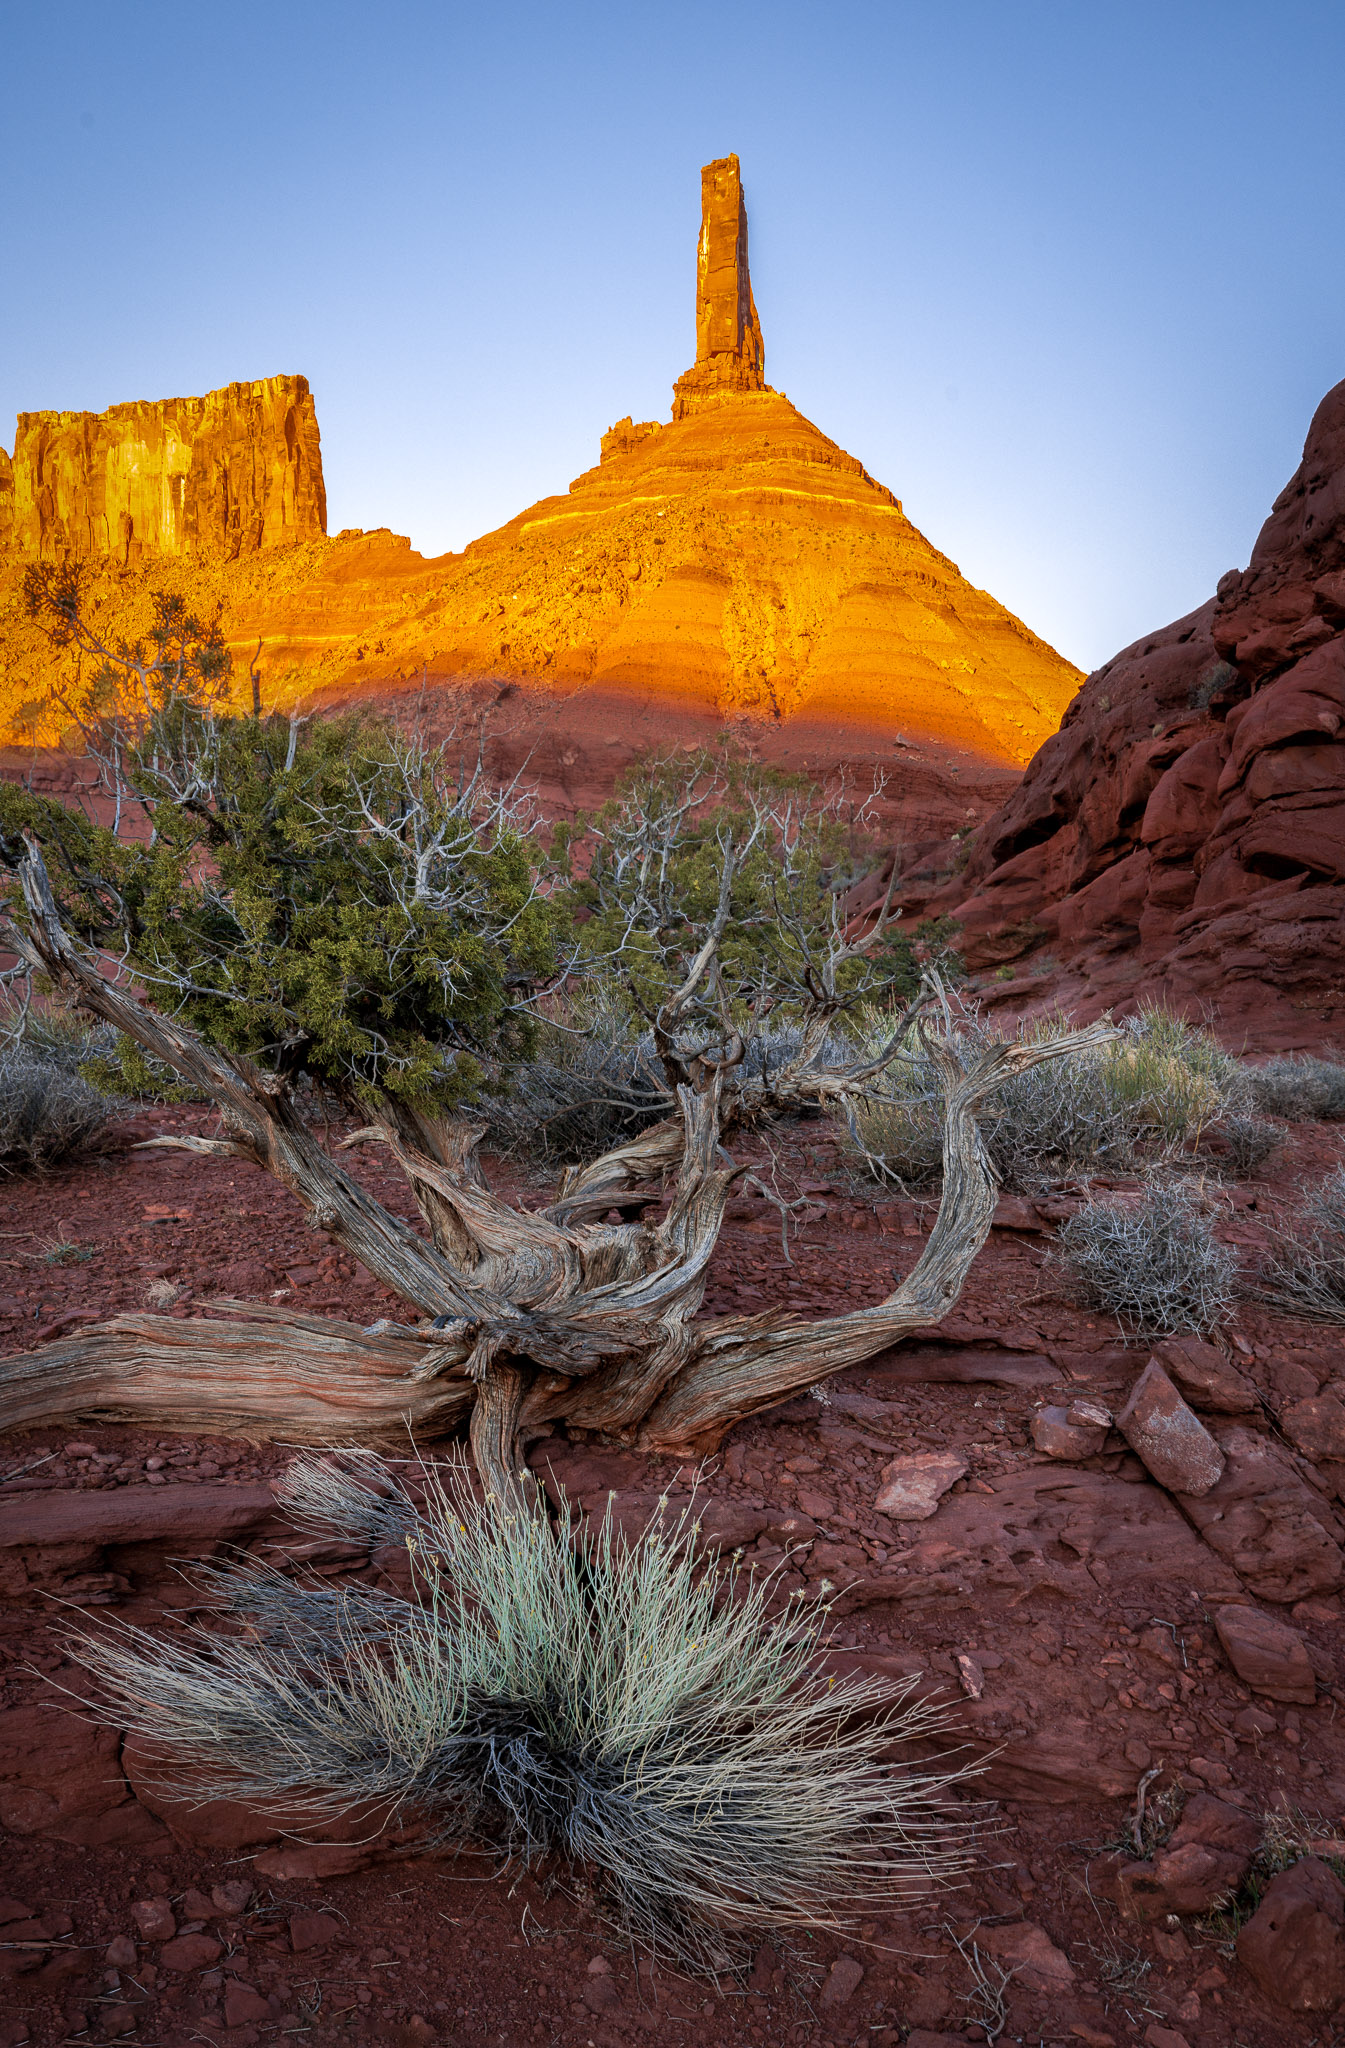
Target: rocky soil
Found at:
983, 1526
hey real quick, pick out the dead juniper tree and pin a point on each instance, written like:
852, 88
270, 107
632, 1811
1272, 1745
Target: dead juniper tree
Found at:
345, 906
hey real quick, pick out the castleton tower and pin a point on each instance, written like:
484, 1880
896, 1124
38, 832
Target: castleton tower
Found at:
729, 352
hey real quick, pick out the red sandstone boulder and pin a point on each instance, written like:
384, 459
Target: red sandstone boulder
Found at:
1204, 1377
1201, 770
1168, 1437
1294, 1943
1207, 1855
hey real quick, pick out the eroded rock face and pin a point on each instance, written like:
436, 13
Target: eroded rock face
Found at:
225, 475
1191, 809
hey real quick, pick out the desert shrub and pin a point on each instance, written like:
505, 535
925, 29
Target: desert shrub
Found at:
1304, 1270
330, 898
1248, 1140
111, 1063
1147, 1096
601, 1703
1153, 1263
1299, 1087
591, 1082
47, 1111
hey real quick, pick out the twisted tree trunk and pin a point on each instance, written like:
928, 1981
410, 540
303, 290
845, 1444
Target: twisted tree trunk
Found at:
530, 1318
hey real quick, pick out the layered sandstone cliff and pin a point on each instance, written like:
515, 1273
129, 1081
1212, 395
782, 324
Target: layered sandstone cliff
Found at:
1183, 834
220, 476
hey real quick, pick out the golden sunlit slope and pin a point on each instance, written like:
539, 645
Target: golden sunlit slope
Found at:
734, 560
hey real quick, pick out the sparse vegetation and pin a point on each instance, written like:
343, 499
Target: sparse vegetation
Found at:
603, 1704
1147, 1096
1249, 1141
1153, 1262
1304, 1272
1299, 1087
47, 1113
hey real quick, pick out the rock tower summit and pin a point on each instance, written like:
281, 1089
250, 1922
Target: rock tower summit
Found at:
729, 352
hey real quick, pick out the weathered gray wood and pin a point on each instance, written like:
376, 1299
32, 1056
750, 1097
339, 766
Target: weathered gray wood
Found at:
550, 1314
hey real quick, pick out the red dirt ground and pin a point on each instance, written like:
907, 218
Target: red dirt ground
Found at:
1081, 1589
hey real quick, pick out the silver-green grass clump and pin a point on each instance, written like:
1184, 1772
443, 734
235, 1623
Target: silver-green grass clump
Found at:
597, 1706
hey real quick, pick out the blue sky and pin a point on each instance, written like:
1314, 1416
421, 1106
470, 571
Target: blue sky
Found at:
1069, 278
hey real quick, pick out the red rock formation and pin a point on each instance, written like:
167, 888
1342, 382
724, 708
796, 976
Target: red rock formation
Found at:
219, 476
730, 354
731, 560
1183, 835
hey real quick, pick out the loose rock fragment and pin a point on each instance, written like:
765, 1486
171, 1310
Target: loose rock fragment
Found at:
843, 1980
1267, 1655
1168, 1437
913, 1485
1202, 1374
1070, 1432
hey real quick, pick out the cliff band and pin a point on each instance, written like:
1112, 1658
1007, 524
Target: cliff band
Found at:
219, 476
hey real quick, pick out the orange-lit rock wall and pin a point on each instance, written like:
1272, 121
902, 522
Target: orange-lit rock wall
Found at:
730, 354
220, 476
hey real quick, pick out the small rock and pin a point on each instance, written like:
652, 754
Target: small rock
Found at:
1254, 1721
154, 1918
13, 1909
1168, 1437
190, 1952
1157, 2036
313, 1930
1316, 1426
599, 1967
194, 1905
234, 1896
971, 1675
914, 1484
1267, 1655
1294, 1943
843, 1980
243, 2004
1205, 1378
1037, 1964
600, 1994
1054, 1434
1210, 1771
116, 2021
120, 1952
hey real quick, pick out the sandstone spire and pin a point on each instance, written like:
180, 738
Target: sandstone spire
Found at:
729, 352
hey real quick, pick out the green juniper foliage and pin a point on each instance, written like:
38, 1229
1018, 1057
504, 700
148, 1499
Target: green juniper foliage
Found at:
328, 898
651, 889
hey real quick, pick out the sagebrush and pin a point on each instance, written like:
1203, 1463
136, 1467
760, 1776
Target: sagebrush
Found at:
47, 1112
604, 1702
1300, 1087
1154, 1262
1148, 1095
